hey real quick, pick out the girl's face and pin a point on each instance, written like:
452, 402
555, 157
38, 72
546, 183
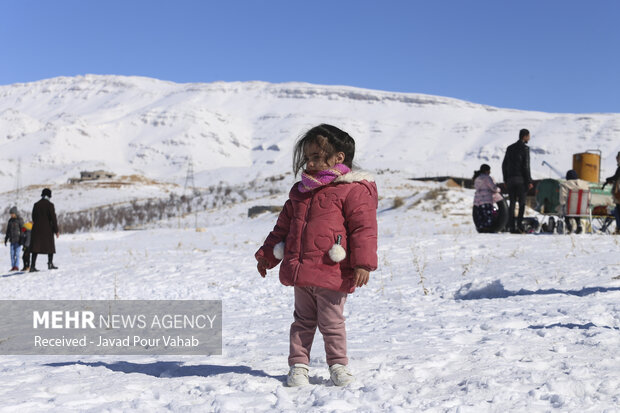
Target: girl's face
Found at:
316, 160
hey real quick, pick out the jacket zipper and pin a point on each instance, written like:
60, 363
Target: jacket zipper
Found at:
301, 239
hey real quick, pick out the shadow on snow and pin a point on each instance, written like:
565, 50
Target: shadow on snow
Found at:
172, 369
496, 290
572, 326
11, 274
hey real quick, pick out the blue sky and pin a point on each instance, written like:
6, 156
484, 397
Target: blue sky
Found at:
548, 55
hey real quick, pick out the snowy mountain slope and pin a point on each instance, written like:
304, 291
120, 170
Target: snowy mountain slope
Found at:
235, 131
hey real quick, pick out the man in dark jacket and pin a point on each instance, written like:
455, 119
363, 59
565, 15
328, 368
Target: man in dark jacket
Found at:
613, 180
517, 177
13, 232
44, 226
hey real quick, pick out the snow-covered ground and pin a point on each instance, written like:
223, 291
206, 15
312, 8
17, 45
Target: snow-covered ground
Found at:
451, 321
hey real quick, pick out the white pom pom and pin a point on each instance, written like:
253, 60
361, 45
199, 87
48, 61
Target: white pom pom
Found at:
337, 253
278, 250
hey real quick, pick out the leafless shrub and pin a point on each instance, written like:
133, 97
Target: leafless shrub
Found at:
420, 266
259, 209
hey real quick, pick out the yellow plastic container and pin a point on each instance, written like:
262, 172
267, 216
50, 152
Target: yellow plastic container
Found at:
588, 166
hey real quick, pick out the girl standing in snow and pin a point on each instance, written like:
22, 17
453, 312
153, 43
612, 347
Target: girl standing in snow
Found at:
326, 241
487, 193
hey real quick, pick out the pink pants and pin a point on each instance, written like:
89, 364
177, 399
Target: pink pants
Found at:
315, 306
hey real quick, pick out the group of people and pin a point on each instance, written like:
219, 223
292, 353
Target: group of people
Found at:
36, 236
518, 181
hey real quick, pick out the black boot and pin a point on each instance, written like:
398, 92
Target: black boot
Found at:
50, 262
33, 264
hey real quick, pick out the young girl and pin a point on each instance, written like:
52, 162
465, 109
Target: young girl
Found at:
487, 193
326, 241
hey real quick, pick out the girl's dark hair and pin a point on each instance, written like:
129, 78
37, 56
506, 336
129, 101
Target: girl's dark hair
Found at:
330, 139
484, 169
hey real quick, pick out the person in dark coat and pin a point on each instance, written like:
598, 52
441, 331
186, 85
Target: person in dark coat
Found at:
44, 226
13, 232
613, 180
517, 177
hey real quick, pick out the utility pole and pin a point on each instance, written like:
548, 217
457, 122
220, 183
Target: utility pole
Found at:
189, 177
18, 181
191, 185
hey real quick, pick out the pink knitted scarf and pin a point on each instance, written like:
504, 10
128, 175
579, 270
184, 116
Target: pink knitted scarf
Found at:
321, 178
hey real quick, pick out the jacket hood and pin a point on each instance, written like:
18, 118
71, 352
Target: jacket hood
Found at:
355, 176
363, 177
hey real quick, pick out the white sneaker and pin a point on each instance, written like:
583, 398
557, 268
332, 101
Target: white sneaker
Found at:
298, 375
340, 374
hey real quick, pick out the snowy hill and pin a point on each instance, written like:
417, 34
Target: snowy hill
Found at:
234, 131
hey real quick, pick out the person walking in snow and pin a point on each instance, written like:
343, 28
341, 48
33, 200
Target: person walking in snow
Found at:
614, 180
325, 240
517, 177
487, 193
12, 235
44, 226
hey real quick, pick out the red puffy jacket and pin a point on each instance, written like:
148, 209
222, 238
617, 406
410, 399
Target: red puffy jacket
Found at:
309, 225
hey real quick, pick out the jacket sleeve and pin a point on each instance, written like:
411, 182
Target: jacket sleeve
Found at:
526, 166
614, 177
277, 235
22, 234
360, 209
505, 166
53, 220
491, 184
6, 234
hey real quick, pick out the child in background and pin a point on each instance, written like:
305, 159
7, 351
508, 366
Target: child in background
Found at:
25, 241
13, 232
326, 241
487, 193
